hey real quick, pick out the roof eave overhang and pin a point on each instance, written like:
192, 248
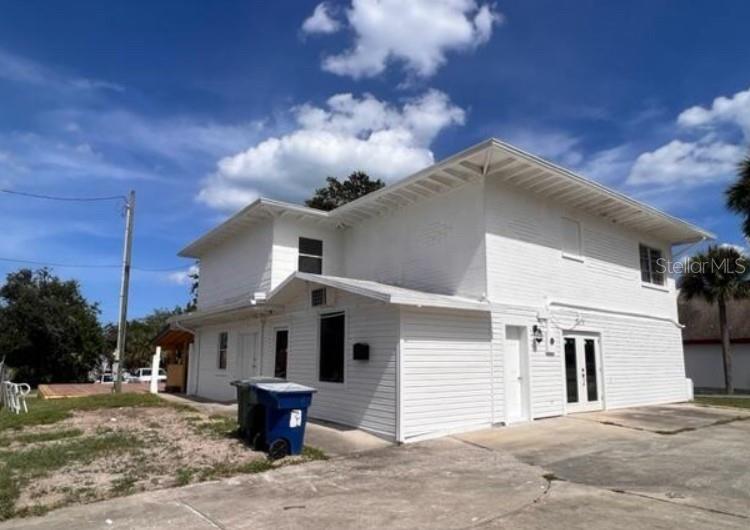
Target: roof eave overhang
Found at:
262, 209
496, 159
222, 314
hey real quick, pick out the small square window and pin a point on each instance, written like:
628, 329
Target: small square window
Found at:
318, 297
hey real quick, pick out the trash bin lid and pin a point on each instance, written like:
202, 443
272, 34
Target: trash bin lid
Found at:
283, 387
255, 380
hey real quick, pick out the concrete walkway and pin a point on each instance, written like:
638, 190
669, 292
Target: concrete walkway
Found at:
334, 440
583, 471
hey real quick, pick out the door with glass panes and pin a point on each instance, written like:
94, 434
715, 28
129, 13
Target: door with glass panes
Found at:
583, 381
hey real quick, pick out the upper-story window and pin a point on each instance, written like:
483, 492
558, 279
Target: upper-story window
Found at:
571, 237
310, 256
651, 271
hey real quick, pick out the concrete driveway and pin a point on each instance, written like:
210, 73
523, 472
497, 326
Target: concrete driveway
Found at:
657, 467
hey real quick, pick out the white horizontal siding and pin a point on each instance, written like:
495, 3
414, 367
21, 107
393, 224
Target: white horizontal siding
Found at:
525, 264
213, 383
435, 245
545, 371
367, 398
643, 361
446, 371
238, 266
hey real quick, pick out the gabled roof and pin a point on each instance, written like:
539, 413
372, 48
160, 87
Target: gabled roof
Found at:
382, 292
494, 159
491, 159
259, 210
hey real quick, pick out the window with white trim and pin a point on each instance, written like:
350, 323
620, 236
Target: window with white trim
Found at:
571, 237
651, 271
222, 352
310, 256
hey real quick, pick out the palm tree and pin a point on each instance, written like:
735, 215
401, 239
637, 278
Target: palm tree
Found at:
720, 274
738, 194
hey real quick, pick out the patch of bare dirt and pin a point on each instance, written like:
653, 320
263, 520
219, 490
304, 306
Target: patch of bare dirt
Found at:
173, 447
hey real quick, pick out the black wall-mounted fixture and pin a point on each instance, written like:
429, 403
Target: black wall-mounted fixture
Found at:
537, 334
361, 352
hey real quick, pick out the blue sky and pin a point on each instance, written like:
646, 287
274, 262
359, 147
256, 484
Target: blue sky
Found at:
202, 106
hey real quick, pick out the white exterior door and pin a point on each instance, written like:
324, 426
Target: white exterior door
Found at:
582, 373
249, 358
516, 375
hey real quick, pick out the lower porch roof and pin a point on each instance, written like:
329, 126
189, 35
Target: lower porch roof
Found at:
382, 292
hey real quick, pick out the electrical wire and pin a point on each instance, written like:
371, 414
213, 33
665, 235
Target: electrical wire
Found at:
78, 265
89, 266
65, 199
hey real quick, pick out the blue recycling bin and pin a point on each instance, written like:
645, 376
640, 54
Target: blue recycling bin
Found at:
249, 411
285, 413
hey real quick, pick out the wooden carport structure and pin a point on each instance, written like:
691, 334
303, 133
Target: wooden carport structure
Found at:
174, 345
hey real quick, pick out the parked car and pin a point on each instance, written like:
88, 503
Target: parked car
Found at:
105, 378
143, 375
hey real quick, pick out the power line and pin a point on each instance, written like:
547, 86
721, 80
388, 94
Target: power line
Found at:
89, 265
65, 199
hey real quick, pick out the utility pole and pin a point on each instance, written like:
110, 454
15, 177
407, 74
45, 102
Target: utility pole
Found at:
124, 286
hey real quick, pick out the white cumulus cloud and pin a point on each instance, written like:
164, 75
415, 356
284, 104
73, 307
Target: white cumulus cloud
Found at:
709, 152
346, 134
321, 21
183, 277
685, 163
734, 110
417, 33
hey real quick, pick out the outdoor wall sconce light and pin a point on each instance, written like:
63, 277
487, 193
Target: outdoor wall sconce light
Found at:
537, 333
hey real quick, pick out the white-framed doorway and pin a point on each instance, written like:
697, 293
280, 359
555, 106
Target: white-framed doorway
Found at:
249, 365
516, 368
582, 365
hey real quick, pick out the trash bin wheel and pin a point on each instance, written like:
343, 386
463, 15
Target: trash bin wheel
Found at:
279, 448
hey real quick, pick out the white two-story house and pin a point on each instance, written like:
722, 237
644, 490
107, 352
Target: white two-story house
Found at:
490, 288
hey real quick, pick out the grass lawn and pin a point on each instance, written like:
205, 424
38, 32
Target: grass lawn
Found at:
76, 450
737, 402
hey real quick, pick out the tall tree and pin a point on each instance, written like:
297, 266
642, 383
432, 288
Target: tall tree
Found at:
738, 194
48, 330
141, 331
717, 276
195, 276
337, 193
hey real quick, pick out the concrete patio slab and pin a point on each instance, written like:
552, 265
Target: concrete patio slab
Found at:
561, 473
700, 461
667, 419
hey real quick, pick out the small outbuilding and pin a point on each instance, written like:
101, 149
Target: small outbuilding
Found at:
702, 343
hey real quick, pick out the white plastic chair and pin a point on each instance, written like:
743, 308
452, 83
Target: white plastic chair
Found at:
15, 396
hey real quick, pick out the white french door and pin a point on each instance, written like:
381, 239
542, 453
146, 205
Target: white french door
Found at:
583, 380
